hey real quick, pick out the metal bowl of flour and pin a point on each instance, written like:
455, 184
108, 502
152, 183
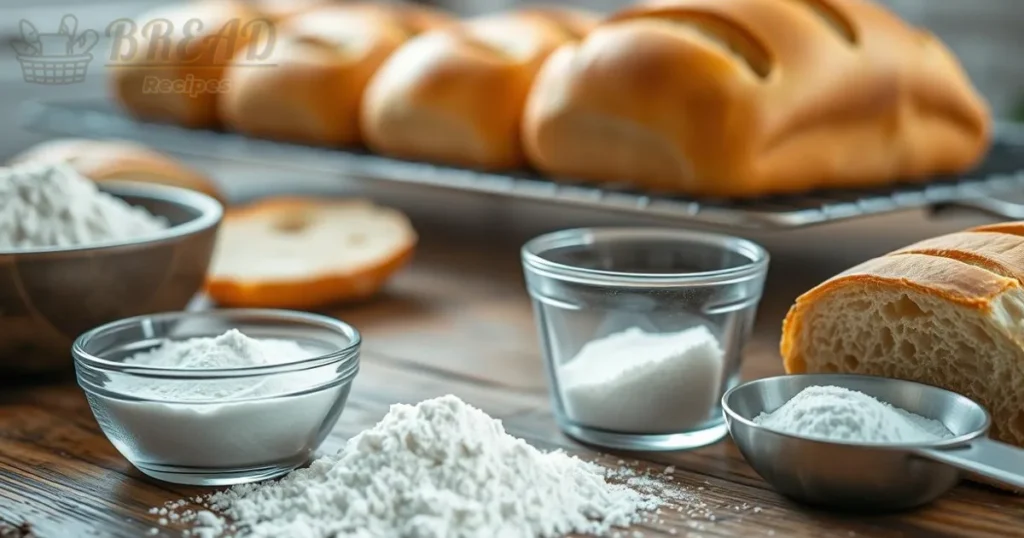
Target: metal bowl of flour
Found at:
49, 296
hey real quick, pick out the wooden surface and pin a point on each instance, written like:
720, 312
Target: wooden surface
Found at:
458, 321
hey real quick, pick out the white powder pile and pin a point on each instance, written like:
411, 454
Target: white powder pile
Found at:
439, 469
221, 424
639, 382
229, 350
837, 414
51, 205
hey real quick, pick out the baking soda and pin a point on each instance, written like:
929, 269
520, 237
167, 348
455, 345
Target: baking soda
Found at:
639, 382
52, 205
836, 414
235, 423
438, 469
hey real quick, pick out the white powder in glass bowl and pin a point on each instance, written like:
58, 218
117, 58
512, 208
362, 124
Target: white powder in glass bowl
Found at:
646, 383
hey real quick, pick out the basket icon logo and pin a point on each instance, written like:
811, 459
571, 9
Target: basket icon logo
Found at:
55, 58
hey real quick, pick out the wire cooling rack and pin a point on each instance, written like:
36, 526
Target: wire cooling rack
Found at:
1002, 171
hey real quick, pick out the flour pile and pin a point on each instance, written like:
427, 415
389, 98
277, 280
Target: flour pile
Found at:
838, 414
231, 349
51, 205
439, 469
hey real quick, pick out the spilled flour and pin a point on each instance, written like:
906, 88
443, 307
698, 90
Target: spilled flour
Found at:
438, 469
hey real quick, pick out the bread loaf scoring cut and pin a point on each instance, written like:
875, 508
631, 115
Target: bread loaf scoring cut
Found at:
456, 95
752, 97
309, 89
947, 311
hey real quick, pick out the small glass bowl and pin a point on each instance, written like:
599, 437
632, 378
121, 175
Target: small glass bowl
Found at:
589, 284
249, 424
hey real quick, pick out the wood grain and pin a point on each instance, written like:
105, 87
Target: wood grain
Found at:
442, 328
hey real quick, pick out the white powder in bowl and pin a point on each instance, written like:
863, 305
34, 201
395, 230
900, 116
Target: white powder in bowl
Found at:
52, 205
438, 469
837, 414
192, 423
648, 383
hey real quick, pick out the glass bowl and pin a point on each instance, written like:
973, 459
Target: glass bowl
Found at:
642, 330
243, 424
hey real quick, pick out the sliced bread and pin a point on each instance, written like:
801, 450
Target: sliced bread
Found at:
306, 253
947, 311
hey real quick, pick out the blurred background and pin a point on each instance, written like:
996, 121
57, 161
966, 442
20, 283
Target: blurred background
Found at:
985, 34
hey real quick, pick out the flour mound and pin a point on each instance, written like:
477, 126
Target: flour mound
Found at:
439, 469
52, 205
838, 414
232, 349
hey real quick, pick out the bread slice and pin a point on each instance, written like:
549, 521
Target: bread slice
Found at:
120, 160
306, 253
946, 312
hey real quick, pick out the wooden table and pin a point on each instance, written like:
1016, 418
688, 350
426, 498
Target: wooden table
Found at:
457, 321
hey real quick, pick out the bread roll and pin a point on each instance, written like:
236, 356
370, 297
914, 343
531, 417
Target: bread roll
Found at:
743, 98
456, 95
121, 160
280, 10
169, 66
310, 89
307, 253
945, 312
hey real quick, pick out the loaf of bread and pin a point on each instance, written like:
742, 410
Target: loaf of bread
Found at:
280, 10
119, 160
946, 311
168, 64
743, 98
309, 89
456, 95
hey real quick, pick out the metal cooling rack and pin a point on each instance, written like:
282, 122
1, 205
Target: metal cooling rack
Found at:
1002, 171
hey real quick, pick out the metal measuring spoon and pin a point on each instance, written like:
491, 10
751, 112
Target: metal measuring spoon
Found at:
869, 476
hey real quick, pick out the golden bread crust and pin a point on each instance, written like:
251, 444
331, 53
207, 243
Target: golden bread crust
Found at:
310, 88
456, 95
775, 97
195, 57
949, 279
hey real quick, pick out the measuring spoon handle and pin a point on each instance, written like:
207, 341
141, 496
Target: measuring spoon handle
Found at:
990, 459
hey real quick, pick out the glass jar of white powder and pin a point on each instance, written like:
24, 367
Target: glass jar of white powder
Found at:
219, 397
642, 330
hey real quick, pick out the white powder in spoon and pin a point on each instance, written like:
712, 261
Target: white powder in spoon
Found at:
837, 414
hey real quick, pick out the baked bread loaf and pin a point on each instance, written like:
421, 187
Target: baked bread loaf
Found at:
120, 160
743, 98
304, 253
280, 10
322, 61
456, 95
169, 67
945, 311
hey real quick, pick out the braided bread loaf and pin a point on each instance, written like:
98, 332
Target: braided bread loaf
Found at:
754, 97
456, 95
312, 87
